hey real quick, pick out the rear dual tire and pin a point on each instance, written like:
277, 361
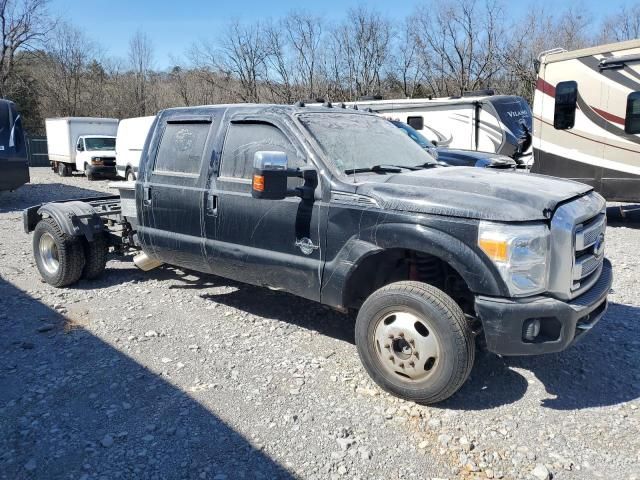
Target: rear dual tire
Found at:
415, 342
62, 259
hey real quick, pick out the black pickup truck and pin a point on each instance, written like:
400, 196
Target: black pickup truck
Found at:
341, 207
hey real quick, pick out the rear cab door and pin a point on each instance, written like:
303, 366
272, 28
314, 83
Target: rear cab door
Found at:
171, 191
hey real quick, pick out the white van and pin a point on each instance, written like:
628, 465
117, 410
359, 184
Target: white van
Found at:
82, 144
132, 133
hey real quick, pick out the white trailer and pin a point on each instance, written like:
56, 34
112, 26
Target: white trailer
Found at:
476, 121
132, 133
82, 144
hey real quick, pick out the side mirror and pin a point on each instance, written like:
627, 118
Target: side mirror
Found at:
269, 175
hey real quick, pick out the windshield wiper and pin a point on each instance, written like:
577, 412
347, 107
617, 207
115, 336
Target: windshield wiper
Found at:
376, 168
424, 165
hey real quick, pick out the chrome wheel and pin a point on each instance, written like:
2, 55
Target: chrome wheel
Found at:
406, 345
49, 253
131, 176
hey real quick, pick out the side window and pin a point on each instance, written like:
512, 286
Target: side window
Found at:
564, 116
416, 122
243, 140
181, 148
632, 119
80, 146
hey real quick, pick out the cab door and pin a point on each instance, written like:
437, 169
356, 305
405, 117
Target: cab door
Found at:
170, 195
274, 243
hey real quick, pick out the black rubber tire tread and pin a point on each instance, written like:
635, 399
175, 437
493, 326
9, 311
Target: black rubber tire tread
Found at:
63, 170
129, 171
88, 175
70, 254
95, 254
461, 350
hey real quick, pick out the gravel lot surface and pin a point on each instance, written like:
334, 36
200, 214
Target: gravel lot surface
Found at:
169, 374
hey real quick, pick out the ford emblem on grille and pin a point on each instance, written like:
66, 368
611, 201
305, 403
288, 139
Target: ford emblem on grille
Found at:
598, 247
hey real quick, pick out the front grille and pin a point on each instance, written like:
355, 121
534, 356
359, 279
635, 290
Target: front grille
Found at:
588, 252
577, 229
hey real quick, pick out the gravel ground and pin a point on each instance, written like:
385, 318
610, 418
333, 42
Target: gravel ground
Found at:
168, 374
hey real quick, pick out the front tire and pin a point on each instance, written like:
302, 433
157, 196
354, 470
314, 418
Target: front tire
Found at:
415, 342
59, 257
130, 175
90, 177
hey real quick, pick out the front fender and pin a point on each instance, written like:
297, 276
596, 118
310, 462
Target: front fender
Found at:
478, 272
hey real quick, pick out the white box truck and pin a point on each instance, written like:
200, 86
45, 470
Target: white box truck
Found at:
132, 133
82, 144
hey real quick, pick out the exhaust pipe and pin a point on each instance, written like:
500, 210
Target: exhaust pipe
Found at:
145, 263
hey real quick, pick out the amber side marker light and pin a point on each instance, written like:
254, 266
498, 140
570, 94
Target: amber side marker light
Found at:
258, 183
495, 249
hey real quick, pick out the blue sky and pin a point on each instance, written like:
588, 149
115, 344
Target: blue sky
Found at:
174, 25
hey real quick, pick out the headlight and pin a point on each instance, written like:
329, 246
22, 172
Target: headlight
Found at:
521, 254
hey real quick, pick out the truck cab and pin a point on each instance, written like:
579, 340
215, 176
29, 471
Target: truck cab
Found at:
341, 207
96, 155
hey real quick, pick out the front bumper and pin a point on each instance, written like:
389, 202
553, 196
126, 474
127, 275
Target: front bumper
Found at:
562, 322
101, 170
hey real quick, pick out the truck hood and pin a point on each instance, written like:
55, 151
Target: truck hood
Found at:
478, 193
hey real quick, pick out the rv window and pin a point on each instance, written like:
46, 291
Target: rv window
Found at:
632, 120
181, 148
416, 122
564, 116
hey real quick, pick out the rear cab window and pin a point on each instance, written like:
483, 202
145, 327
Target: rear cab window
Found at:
181, 149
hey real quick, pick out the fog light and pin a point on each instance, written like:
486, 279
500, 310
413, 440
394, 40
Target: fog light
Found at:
531, 329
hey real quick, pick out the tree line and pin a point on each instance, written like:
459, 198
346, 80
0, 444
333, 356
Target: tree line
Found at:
50, 67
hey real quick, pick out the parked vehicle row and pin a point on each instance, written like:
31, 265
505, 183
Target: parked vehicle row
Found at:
341, 207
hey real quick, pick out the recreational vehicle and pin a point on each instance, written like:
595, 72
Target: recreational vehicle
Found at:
14, 168
476, 121
587, 118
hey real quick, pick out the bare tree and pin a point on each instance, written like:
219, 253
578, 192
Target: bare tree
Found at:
363, 42
624, 25
463, 43
406, 69
63, 75
305, 35
141, 59
279, 75
242, 54
23, 23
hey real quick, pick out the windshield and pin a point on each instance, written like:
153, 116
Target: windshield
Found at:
100, 143
415, 135
355, 141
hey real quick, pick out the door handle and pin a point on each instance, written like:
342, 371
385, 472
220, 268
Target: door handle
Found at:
212, 204
146, 196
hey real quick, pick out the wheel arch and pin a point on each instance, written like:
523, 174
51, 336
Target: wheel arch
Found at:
379, 249
76, 219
